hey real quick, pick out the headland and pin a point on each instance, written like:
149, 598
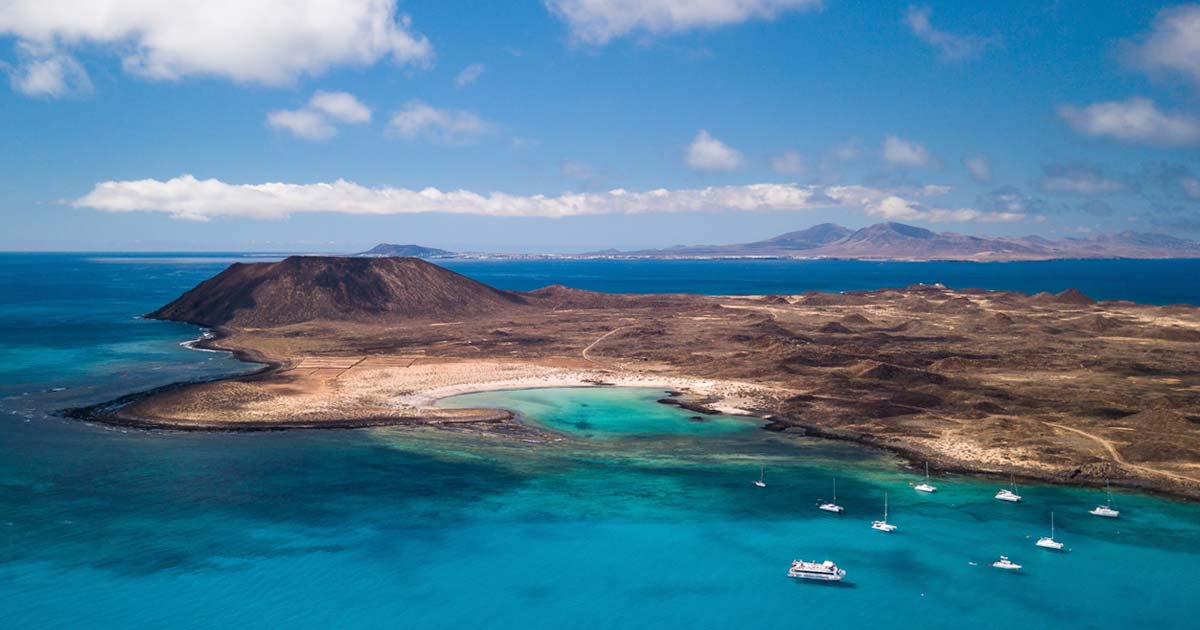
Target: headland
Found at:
1056, 387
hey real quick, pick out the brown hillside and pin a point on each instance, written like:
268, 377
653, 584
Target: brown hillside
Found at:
304, 288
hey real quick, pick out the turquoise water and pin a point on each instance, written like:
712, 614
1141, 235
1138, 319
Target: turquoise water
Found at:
637, 516
605, 413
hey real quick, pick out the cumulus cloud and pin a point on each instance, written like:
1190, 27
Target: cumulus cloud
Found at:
1172, 45
469, 74
597, 22
706, 153
901, 152
1136, 120
187, 197
340, 106
789, 163
266, 41
978, 167
302, 123
951, 46
1080, 179
43, 71
417, 120
316, 121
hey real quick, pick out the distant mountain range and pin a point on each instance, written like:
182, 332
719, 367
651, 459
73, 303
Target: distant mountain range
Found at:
383, 250
897, 241
882, 241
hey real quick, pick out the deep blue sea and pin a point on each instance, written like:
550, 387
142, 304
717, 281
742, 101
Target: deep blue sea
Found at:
639, 517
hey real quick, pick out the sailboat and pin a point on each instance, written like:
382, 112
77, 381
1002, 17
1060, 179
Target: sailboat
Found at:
883, 525
1009, 494
760, 483
1048, 541
925, 486
832, 506
1106, 510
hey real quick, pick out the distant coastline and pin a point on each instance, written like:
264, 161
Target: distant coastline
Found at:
882, 242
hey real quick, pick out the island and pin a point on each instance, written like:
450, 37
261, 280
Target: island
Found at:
1054, 387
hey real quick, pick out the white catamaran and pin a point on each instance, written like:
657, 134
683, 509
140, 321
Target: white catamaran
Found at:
832, 506
1009, 494
1106, 510
760, 482
1048, 542
883, 525
925, 486
823, 571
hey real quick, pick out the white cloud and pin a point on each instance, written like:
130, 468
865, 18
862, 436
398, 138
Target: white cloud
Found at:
445, 126
1136, 120
186, 197
302, 123
1190, 186
1173, 44
706, 153
1080, 179
979, 168
951, 46
789, 163
846, 151
45, 72
316, 120
901, 152
469, 74
599, 21
341, 106
265, 41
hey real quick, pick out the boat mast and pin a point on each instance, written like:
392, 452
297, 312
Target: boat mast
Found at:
835, 489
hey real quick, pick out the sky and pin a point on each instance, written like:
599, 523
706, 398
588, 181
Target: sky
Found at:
576, 125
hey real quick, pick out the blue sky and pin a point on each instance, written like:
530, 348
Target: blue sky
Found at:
506, 126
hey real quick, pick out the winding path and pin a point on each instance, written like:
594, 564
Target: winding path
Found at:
1118, 458
584, 354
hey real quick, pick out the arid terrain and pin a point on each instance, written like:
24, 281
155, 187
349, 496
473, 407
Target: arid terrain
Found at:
1054, 387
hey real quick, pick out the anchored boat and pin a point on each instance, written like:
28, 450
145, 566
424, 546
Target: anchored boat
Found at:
1009, 494
832, 506
1106, 510
822, 571
925, 486
1006, 564
883, 525
1048, 542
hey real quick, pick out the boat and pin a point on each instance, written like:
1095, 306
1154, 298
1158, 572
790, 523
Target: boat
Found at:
883, 525
1006, 564
1048, 542
1106, 510
760, 483
925, 486
832, 506
823, 571
1009, 494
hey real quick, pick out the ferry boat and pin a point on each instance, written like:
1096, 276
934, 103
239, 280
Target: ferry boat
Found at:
1048, 542
883, 525
823, 571
1009, 494
925, 486
1106, 510
1006, 564
832, 506
761, 483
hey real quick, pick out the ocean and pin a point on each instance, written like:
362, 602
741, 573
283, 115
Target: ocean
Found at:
639, 516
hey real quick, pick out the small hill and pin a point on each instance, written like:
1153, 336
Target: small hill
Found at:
413, 251
303, 288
